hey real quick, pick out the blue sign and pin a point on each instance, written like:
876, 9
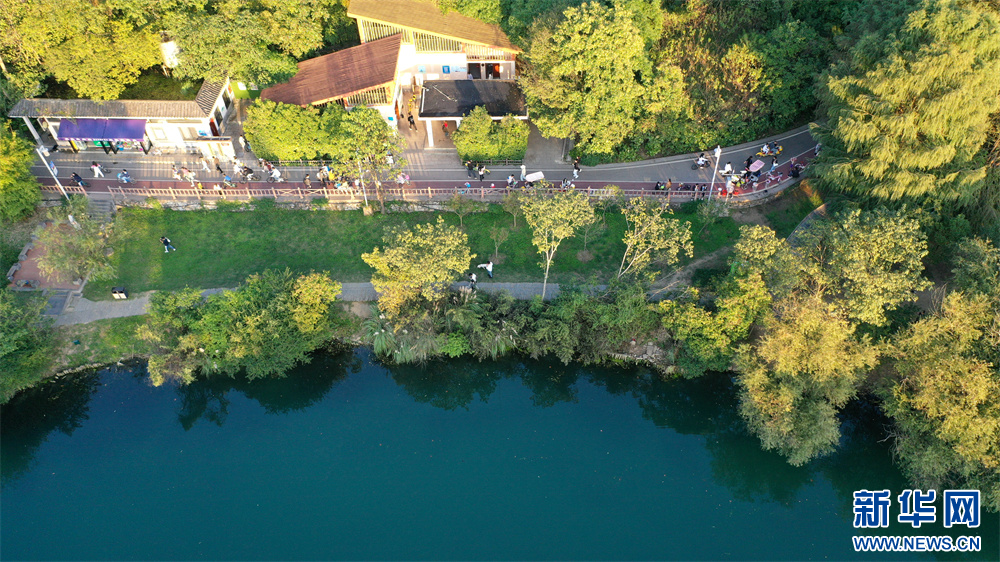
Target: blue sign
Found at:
421, 69
446, 69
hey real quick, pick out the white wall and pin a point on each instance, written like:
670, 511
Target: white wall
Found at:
410, 63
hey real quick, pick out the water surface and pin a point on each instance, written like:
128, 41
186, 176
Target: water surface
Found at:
347, 459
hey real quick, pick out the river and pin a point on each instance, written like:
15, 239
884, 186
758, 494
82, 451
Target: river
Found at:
348, 459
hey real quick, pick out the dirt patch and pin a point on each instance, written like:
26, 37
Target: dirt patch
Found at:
584, 256
682, 277
750, 215
359, 309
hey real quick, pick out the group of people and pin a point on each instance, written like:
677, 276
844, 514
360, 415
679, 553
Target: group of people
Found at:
474, 169
488, 266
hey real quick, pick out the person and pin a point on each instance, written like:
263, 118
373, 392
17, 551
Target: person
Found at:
482, 172
774, 165
124, 177
658, 186
227, 181
399, 180
76, 179
488, 266
670, 185
524, 171
218, 168
204, 164
472, 280
174, 172
307, 181
167, 246
772, 147
389, 159
576, 167
98, 171
444, 127
511, 181
243, 143
470, 168
275, 174
565, 184
764, 149
728, 169
746, 165
413, 124
702, 161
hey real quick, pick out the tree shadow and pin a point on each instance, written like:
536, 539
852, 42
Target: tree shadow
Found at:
451, 385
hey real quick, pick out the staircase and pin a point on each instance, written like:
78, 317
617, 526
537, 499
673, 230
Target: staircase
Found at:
101, 210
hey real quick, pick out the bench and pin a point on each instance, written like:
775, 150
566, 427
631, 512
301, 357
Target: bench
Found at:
24, 253
13, 270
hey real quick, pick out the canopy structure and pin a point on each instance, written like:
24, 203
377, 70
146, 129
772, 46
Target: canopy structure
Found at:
102, 129
448, 99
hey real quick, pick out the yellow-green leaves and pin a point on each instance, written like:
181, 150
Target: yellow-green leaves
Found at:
554, 218
418, 262
652, 235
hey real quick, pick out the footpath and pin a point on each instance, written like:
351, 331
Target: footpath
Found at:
83, 310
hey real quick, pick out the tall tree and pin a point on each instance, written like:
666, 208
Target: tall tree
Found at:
652, 236
908, 110
417, 263
25, 340
368, 149
19, 190
75, 245
805, 368
945, 402
554, 218
584, 78
288, 132
80, 42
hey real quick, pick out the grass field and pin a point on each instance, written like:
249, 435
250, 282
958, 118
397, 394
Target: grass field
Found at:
101, 341
221, 248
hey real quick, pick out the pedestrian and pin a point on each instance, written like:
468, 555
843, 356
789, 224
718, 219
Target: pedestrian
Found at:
728, 169
524, 172
774, 165
243, 142
204, 164
576, 167
399, 180
275, 174
237, 166
472, 281
482, 172
175, 173
749, 161
413, 124
511, 181
98, 172
488, 266
307, 181
218, 168
389, 159
167, 246
322, 176
248, 145
470, 168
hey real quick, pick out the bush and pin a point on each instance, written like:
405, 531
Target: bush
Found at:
481, 138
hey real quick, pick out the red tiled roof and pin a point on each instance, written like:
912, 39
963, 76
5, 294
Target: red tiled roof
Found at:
339, 74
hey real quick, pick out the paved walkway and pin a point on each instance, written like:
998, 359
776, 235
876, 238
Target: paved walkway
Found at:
433, 167
82, 311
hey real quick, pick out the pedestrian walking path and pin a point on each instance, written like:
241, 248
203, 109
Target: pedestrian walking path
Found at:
82, 310
432, 167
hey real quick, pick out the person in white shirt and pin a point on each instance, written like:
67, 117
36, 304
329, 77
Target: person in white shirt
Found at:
488, 266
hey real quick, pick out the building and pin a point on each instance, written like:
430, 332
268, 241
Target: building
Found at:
410, 46
113, 126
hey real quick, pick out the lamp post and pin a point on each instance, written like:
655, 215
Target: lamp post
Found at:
52, 170
718, 155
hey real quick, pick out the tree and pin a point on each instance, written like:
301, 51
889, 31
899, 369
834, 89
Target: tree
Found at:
368, 149
499, 235
80, 42
482, 138
805, 368
875, 259
25, 343
977, 267
19, 190
281, 131
758, 250
462, 206
512, 203
75, 248
554, 218
265, 327
417, 262
651, 236
945, 400
577, 86
907, 111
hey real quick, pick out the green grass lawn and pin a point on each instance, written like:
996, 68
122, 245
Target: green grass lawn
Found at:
793, 206
221, 248
101, 341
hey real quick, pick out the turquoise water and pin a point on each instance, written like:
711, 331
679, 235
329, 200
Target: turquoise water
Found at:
347, 459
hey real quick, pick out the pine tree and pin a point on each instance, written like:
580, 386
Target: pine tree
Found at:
909, 109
